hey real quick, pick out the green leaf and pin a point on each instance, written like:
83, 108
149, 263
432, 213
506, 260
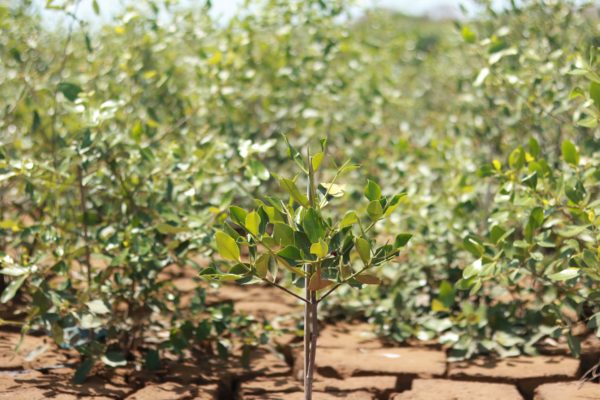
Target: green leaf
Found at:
438, 306
203, 330
12, 288
531, 180
374, 210
497, 233
364, 250
574, 345
570, 153
313, 225
572, 230
331, 189
239, 269
516, 160
262, 265
252, 223
565, 274
393, 204
69, 90
349, 219
446, 295
319, 249
227, 247
536, 218
575, 192
372, 191
273, 215
302, 242
228, 277
238, 215
468, 35
588, 122
283, 234
289, 264
10, 224
316, 160
83, 371
293, 191
291, 254
152, 360
473, 246
402, 239
473, 269
534, 147
114, 359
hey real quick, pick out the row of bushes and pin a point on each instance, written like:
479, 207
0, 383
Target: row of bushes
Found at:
123, 147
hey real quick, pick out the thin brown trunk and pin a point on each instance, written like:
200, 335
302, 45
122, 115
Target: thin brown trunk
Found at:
313, 341
307, 337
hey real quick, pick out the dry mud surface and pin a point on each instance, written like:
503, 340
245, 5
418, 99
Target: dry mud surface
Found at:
352, 364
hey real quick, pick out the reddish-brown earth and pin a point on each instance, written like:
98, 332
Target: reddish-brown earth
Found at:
352, 364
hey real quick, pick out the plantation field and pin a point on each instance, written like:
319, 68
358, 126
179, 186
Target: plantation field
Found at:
299, 201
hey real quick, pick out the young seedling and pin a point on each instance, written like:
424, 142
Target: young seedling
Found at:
296, 239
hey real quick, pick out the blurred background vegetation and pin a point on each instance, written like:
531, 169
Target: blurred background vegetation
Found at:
124, 141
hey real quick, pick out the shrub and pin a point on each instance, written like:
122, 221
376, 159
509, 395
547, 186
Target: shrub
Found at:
298, 240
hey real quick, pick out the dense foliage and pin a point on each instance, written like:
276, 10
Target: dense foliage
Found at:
123, 146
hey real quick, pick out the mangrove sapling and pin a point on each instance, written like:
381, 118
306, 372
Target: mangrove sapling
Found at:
318, 252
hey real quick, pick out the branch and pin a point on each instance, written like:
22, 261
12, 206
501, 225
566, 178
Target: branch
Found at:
278, 286
341, 283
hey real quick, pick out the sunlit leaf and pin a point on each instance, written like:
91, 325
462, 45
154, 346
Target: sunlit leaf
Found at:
227, 247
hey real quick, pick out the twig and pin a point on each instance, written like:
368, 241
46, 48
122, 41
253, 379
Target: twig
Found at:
278, 286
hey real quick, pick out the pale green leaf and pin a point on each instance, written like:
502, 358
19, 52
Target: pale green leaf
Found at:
319, 249
252, 223
565, 274
364, 250
227, 247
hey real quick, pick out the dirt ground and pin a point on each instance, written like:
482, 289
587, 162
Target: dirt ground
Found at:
352, 364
